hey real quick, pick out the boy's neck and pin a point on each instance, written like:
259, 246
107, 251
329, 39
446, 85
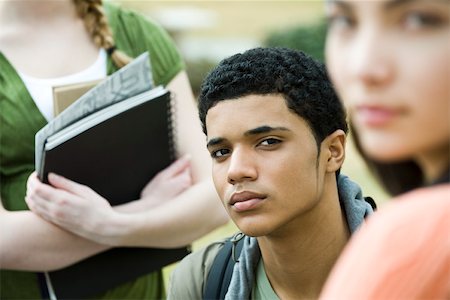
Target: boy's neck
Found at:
298, 262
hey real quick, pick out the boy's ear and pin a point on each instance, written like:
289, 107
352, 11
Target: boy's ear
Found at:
334, 148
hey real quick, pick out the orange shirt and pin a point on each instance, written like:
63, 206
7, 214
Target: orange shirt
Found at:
402, 252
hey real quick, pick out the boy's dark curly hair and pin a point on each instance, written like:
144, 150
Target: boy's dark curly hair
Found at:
301, 80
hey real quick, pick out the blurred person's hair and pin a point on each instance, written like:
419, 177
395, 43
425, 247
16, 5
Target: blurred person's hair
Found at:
96, 23
301, 80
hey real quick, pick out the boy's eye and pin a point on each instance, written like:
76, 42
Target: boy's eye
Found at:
270, 141
219, 153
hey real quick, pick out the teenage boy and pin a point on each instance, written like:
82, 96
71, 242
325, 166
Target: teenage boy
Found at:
276, 133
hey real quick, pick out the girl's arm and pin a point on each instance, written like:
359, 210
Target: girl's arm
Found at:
187, 216
30, 243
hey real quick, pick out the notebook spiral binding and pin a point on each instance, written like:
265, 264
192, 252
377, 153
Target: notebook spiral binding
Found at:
171, 123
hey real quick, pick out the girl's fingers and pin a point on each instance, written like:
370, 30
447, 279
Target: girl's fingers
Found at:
32, 181
47, 197
178, 166
68, 185
37, 188
39, 206
187, 177
180, 182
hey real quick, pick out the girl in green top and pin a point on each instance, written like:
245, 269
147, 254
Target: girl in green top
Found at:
53, 39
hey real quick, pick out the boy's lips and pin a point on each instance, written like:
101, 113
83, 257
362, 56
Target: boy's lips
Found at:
245, 200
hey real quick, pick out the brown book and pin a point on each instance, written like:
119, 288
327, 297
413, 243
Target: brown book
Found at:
64, 95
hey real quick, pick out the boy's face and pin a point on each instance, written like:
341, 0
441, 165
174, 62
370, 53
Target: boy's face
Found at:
266, 167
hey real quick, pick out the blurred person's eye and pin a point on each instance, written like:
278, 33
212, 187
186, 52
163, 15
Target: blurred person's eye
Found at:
339, 18
416, 20
340, 21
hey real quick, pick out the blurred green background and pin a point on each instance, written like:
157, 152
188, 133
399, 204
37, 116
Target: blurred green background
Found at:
208, 31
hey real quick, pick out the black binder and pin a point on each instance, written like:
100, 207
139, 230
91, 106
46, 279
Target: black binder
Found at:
116, 152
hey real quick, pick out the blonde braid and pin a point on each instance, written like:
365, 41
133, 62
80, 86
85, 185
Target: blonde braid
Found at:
93, 15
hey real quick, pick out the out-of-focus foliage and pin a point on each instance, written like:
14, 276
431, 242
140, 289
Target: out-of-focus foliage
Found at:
308, 38
197, 70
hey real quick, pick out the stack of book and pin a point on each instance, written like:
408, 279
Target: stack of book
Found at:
114, 139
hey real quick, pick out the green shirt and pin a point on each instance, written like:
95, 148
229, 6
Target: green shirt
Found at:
262, 289
20, 119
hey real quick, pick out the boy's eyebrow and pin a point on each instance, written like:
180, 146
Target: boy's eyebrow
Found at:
254, 131
264, 129
214, 141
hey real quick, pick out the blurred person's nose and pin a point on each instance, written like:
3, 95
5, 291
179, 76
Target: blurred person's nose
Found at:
371, 60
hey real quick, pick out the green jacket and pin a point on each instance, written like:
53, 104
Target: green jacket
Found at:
20, 119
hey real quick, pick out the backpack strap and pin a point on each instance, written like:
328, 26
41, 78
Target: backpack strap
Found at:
371, 202
219, 276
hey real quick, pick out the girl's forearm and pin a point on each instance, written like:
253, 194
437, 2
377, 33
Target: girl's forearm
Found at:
30, 243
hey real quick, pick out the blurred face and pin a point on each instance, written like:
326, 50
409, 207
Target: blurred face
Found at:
390, 63
265, 163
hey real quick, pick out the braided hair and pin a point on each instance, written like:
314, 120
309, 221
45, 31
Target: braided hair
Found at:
93, 15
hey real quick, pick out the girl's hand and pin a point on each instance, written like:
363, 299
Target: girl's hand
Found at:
168, 183
70, 205
80, 210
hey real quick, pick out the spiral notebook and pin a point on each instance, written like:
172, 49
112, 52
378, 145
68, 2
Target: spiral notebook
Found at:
128, 143
115, 151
